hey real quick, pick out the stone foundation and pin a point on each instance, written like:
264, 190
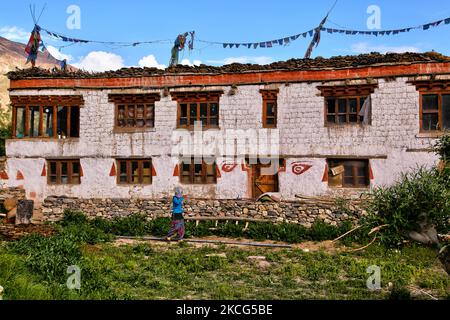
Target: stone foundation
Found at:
291, 212
11, 193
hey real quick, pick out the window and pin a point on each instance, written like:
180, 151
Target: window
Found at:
198, 173
136, 116
343, 103
435, 115
64, 172
134, 112
38, 116
206, 113
348, 173
134, 171
434, 104
344, 110
269, 108
197, 107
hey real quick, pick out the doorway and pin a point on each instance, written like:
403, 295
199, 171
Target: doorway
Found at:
262, 183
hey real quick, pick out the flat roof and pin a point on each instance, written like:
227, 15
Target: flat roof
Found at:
317, 64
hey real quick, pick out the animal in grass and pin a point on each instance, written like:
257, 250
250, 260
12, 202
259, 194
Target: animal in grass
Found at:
176, 232
426, 233
1, 293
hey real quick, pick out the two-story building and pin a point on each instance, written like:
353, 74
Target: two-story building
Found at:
335, 125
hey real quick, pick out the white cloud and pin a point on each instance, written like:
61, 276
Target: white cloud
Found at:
365, 47
100, 61
150, 62
243, 59
14, 33
187, 62
59, 55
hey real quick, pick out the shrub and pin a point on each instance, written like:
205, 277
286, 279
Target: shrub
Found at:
442, 147
71, 217
101, 230
133, 225
5, 133
399, 293
86, 234
158, 226
420, 195
321, 231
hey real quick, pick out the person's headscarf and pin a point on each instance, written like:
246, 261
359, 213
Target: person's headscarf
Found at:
178, 192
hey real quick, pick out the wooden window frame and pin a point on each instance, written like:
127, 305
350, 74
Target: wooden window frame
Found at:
134, 100
432, 86
345, 92
129, 173
58, 174
270, 97
347, 113
355, 184
43, 102
204, 173
438, 111
197, 98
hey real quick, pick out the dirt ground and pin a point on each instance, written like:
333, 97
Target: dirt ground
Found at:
328, 246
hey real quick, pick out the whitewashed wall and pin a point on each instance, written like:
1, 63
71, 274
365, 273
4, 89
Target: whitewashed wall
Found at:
303, 137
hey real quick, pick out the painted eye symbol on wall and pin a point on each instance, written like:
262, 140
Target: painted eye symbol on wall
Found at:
299, 168
228, 166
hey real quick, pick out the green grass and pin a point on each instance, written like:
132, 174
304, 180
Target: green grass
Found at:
182, 271
35, 267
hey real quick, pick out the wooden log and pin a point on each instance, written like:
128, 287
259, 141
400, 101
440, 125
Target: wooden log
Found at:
10, 204
226, 219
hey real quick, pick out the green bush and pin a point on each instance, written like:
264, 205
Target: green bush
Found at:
5, 133
420, 194
76, 225
101, 230
71, 217
442, 147
133, 225
158, 227
399, 293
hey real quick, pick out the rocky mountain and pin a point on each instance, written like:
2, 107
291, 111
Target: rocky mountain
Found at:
12, 56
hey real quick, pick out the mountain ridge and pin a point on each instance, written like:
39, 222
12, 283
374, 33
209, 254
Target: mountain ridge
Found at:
12, 57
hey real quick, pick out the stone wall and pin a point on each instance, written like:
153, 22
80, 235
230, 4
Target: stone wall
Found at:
291, 212
11, 193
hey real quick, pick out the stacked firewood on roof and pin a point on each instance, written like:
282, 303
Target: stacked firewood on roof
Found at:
292, 64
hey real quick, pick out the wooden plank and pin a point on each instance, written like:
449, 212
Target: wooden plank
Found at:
226, 219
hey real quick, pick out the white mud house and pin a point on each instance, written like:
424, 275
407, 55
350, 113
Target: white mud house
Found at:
332, 126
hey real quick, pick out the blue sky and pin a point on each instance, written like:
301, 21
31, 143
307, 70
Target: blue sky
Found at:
223, 21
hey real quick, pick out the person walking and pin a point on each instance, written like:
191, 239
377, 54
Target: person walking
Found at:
177, 217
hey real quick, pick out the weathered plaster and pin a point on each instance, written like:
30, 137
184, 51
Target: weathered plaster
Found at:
303, 137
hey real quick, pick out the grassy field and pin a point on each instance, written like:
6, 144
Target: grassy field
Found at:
185, 271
